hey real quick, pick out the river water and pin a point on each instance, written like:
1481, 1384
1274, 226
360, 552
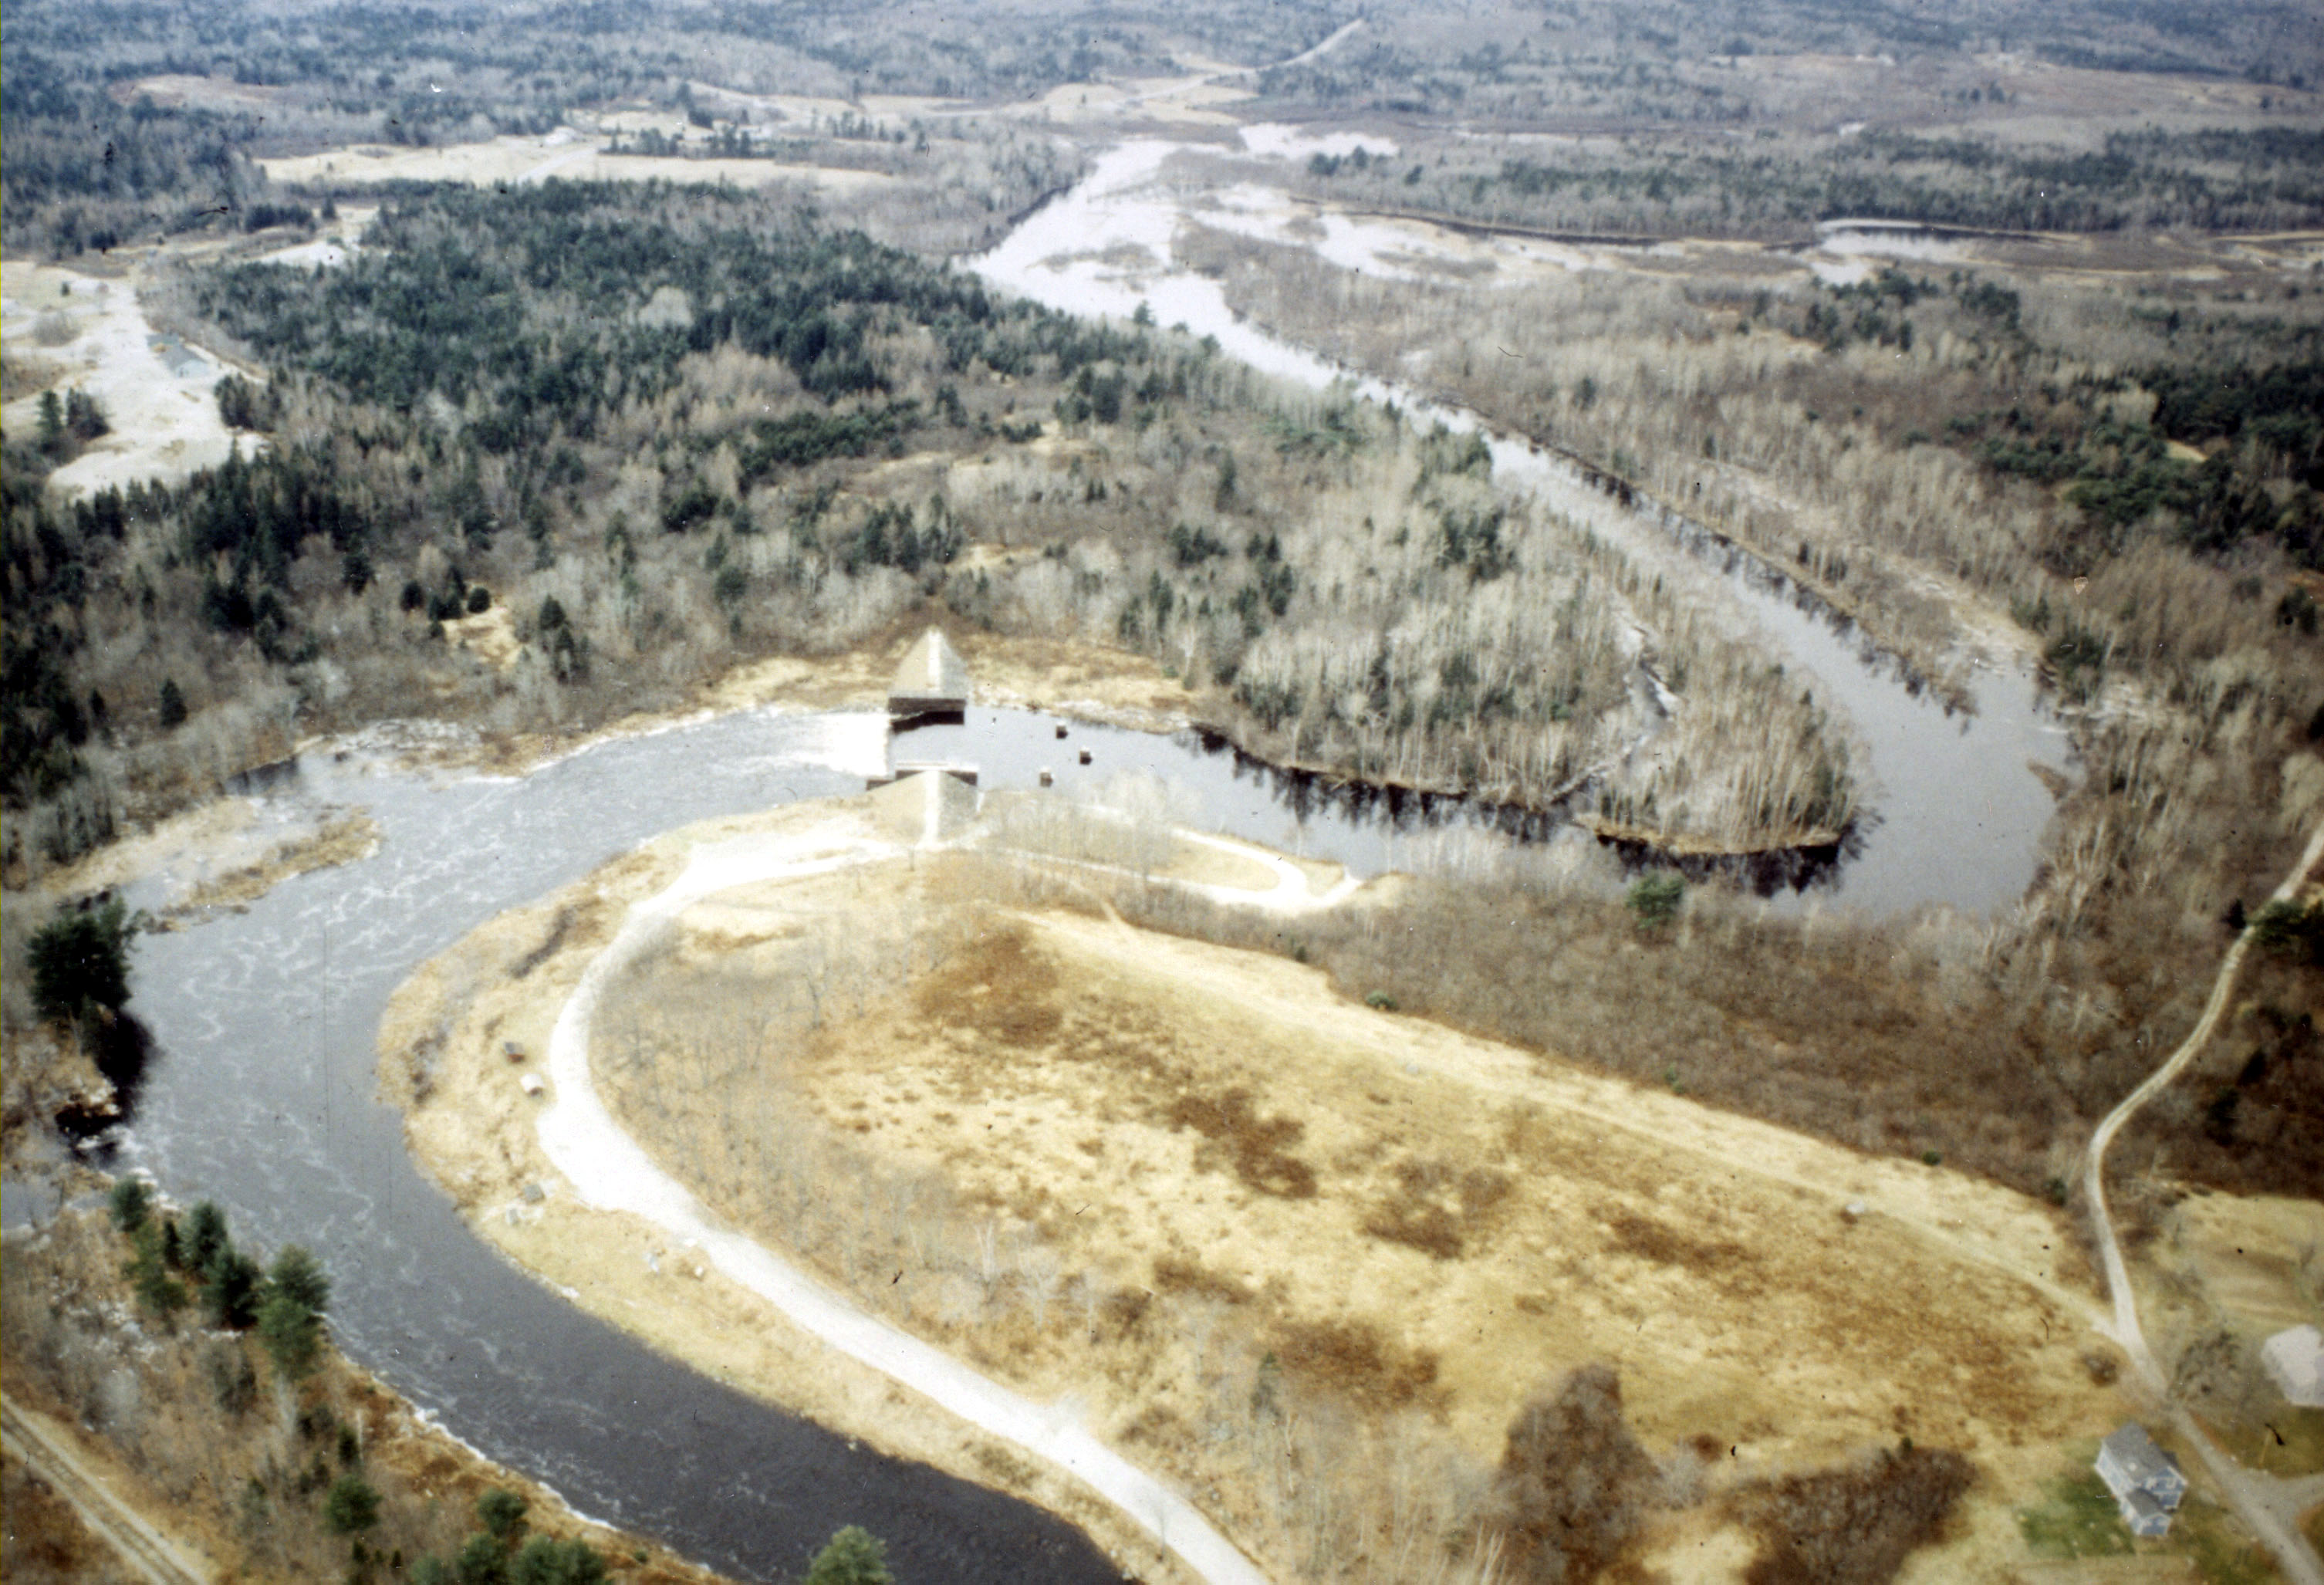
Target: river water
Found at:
260, 1094
260, 1089
1956, 812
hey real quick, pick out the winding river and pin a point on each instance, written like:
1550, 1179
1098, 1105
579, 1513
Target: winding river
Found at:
1958, 814
262, 1093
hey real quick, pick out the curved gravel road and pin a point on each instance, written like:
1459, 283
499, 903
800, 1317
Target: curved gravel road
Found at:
2245, 1490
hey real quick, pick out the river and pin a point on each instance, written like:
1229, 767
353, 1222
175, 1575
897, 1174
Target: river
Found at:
1957, 813
261, 1091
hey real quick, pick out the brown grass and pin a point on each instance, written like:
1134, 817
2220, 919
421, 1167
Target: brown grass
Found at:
1436, 1208
1351, 1361
1254, 1144
1259, 1228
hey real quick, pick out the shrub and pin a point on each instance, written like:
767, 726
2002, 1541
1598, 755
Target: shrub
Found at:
854, 1556
1852, 1526
352, 1505
1654, 899
2291, 931
501, 1512
132, 1202
483, 1562
1574, 1482
543, 1561
480, 600
173, 706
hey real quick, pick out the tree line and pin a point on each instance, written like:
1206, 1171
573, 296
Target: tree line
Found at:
2259, 178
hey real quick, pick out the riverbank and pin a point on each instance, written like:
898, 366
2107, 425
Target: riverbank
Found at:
193, 1434
1087, 681
1185, 1232
472, 1127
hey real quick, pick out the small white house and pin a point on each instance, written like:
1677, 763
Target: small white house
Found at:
2146, 1481
2294, 1360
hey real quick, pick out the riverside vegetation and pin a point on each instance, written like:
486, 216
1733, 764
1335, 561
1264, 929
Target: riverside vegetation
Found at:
2130, 469
667, 429
659, 430
215, 1386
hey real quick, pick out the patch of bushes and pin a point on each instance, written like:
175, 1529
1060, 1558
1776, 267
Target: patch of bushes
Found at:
1853, 1526
1575, 1485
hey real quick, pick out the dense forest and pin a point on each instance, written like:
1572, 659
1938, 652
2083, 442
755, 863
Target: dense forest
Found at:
1594, 63
661, 429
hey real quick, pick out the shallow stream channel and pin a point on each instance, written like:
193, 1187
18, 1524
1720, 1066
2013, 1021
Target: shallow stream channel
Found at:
261, 1091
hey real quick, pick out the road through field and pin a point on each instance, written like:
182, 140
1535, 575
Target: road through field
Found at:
611, 1171
2245, 1490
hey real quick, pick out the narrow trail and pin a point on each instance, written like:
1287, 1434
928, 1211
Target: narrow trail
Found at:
611, 1171
2247, 1491
148, 1551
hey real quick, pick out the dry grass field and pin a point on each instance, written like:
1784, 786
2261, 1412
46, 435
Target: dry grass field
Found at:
1200, 1167
1311, 1259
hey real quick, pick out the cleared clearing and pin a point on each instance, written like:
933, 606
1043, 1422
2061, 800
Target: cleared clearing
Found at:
87, 332
1148, 1176
536, 159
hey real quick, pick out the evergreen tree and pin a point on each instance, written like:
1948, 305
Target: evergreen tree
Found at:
132, 1202
80, 963
852, 1557
352, 1505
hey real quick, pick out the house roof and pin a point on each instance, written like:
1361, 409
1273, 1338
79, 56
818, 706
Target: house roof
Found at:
2133, 1454
2294, 1356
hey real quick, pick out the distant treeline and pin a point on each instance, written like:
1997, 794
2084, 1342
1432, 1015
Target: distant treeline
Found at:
2260, 179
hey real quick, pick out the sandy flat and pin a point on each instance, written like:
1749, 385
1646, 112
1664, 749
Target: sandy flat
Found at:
157, 393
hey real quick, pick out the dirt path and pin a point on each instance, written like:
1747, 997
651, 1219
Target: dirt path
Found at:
1294, 892
47, 1450
2251, 1496
611, 1171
